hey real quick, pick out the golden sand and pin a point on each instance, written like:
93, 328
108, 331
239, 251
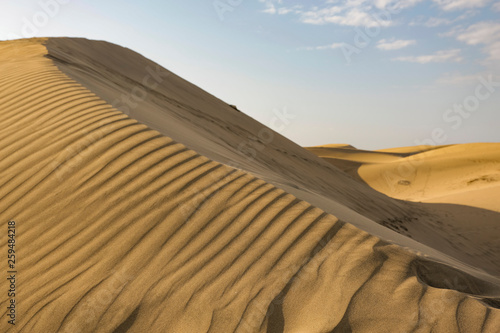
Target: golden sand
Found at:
149, 219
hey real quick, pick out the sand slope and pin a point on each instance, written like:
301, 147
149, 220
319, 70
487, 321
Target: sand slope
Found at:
123, 229
182, 111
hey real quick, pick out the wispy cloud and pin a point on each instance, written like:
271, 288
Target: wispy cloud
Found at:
287, 10
486, 33
354, 13
432, 22
480, 33
388, 45
440, 56
270, 10
323, 47
349, 17
270, 6
364, 12
395, 4
461, 4
458, 79
370, 13
276, 7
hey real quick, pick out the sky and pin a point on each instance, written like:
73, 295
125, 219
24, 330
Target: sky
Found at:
374, 74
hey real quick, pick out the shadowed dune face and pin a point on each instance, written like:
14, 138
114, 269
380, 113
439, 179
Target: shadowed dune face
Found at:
123, 229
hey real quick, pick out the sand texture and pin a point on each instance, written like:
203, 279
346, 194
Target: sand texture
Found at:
153, 216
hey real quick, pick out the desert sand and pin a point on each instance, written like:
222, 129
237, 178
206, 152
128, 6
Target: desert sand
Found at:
144, 204
464, 174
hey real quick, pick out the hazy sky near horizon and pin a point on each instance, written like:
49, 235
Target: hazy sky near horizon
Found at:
374, 74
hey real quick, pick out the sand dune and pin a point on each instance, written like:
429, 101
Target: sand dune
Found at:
151, 219
466, 174
187, 114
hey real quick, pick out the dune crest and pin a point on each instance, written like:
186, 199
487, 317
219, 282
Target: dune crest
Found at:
122, 228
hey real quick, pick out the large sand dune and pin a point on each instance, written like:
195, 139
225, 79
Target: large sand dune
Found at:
150, 218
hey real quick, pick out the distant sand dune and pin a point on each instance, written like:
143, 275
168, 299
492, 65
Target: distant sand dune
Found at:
467, 174
120, 228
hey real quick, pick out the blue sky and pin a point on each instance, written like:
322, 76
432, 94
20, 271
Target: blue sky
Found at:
374, 74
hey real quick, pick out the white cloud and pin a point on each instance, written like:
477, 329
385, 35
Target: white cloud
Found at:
440, 56
453, 32
323, 47
395, 4
496, 6
437, 21
344, 12
461, 4
275, 7
458, 79
494, 51
486, 33
388, 45
480, 33
270, 9
270, 6
297, 9
433, 22
368, 13
382, 3
343, 16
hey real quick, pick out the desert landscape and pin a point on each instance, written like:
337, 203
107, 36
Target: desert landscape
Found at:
142, 203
